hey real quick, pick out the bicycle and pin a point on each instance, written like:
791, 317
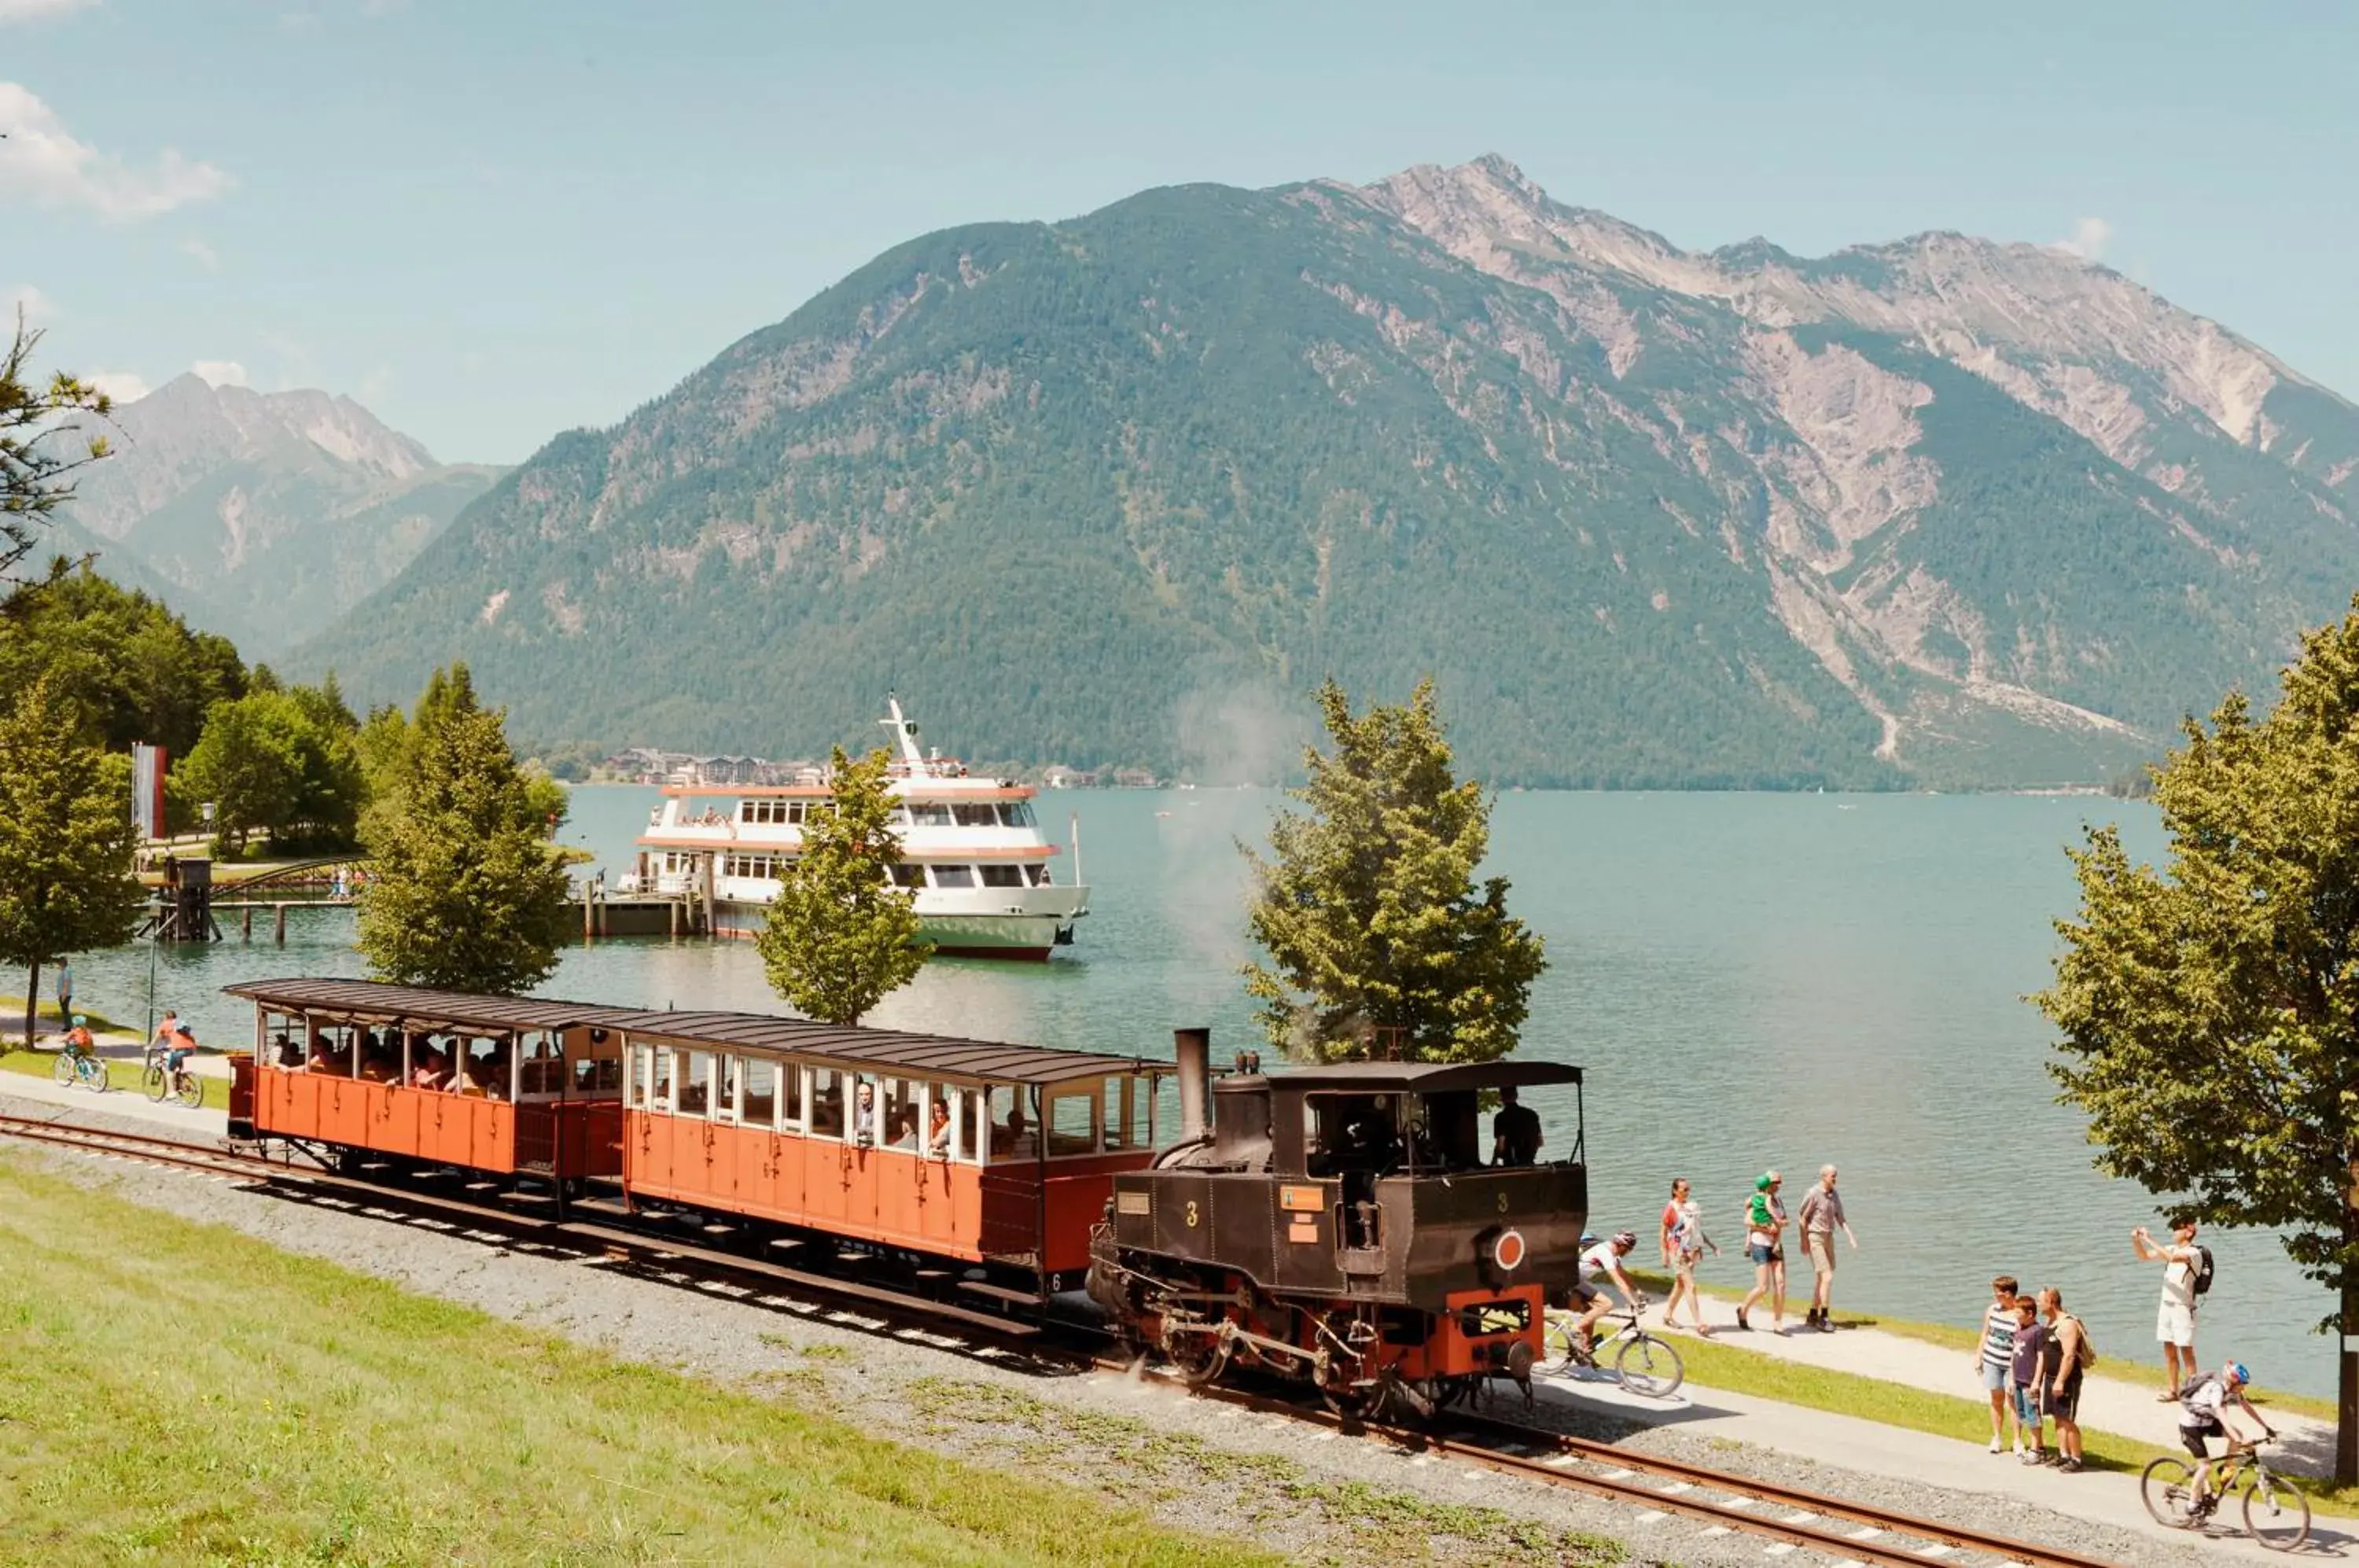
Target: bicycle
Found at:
1645, 1364
2276, 1513
87, 1067
178, 1083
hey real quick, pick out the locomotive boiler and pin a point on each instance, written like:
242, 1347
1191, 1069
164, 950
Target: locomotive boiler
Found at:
1340, 1227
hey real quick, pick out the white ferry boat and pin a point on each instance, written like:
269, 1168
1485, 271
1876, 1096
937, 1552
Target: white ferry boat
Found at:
973, 853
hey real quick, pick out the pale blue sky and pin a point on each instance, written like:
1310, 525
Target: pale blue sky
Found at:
491, 220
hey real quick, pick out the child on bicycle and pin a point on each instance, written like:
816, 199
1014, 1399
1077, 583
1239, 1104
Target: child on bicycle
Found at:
79, 1040
2202, 1404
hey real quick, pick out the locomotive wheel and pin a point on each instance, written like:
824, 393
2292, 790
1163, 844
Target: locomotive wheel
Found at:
1200, 1357
1354, 1403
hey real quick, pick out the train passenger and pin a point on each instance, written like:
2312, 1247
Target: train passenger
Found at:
324, 1056
901, 1131
1012, 1139
1514, 1132
290, 1055
863, 1125
376, 1067
432, 1071
938, 1127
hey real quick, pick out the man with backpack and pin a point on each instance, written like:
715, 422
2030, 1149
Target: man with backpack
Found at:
2070, 1352
2185, 1277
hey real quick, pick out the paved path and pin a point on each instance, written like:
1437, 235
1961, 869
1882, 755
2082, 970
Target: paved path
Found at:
196, 1126
2107, 1404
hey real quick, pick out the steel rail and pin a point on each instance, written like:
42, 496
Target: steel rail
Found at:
1850, 1532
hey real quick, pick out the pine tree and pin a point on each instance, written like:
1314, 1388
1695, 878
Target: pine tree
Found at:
464, 893
840, 936
1375, 926
65, 840
2210, 1012
33, 419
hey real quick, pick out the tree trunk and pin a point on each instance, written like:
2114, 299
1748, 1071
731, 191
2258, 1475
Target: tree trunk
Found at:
2346, 1423
32, 1001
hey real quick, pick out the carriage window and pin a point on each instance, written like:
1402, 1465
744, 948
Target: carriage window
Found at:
1014, 1132
725, 1087
1127, 1100
761, 1091
953, 875
696, 1083
827, 1103
905, 1114
601, 1071
643, 1076
1073, 1120
790, 1094
666, 1073
905, 875
967, 1115
1003, 876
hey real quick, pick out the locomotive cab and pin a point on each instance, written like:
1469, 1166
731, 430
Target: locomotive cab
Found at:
1350, 1211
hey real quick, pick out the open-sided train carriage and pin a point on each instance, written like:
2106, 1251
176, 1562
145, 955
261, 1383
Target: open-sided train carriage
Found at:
520, 1087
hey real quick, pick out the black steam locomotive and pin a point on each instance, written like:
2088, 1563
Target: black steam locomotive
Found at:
1339, 1226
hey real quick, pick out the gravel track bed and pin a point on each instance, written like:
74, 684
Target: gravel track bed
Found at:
1288, 1484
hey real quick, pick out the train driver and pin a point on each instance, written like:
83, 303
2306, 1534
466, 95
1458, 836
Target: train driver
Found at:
1514, 1132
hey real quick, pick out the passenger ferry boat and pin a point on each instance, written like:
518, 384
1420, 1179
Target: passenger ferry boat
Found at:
973, 853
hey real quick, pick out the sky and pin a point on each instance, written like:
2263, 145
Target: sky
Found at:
492, 221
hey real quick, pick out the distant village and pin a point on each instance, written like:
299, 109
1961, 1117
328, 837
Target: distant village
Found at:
646, 765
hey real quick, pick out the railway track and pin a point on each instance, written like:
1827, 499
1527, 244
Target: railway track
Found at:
1848, 1533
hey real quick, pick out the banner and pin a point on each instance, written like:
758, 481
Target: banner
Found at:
148, 790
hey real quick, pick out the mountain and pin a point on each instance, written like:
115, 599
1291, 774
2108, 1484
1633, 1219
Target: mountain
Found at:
267, 514
1942, 511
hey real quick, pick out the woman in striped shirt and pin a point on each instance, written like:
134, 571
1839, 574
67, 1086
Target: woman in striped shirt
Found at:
1995, 1356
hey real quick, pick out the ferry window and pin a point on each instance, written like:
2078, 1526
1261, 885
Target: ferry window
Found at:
974, 816
1013, 1133
795, 812
667, 1064
953, 875
1003, 876
1016, 813
1039, 876
930, 814
760, 1107
696, 1083
826, 1103
905, 875
1073, 1120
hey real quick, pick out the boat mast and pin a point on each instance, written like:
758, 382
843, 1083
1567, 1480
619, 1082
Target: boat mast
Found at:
905, 734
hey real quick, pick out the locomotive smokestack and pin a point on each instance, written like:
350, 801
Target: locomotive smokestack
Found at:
1193, 1049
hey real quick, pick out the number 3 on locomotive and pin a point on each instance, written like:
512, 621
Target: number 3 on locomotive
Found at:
1192, 1214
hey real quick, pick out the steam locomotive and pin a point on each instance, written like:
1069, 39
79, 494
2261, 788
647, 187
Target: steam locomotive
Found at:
1338, 1226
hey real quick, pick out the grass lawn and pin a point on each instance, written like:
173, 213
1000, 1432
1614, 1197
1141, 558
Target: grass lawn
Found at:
304, 1413
12, 1013
121, 1077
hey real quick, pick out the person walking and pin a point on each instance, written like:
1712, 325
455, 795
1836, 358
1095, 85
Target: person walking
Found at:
1822, 1217
2068, 1348
1765, 1228
1993, 1358
1684, 1242
2175, 1321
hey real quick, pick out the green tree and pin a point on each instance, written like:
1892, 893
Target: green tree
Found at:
65, 840
282, 763
840, 936
40, 442
465, 893
1369, 910
134, 670
2208, 1012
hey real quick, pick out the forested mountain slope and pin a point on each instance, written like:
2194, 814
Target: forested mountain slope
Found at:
267, 514
1651, 518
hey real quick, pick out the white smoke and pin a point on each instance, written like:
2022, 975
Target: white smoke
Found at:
1238, 743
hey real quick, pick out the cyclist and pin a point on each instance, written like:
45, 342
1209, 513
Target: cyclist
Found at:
1603, 1259
2200, 1406
79, 1040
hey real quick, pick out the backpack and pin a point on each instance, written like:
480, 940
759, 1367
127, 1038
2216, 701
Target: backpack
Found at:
2202, 1272
2084, 1355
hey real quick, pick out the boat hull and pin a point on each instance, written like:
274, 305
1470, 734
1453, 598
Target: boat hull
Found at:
1023, 937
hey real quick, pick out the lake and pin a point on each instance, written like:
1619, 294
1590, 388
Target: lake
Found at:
1749, 980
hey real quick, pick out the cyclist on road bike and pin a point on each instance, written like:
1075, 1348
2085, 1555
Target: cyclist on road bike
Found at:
2200, 1406
1605, 1259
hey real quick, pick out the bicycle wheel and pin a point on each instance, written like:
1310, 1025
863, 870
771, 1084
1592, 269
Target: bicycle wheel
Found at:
1556, 1339
153, 1082
1650, 1367
62, 1070
94, 1075
2275, 1514
2168, 1488
192, 1090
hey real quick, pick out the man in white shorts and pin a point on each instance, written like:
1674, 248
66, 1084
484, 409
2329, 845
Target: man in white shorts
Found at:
2175, 1323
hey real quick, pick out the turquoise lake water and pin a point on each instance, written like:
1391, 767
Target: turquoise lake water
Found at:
1749, 980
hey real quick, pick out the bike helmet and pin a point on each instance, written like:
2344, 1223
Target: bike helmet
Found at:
1625, 1239
80, 1019
2236, 1370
